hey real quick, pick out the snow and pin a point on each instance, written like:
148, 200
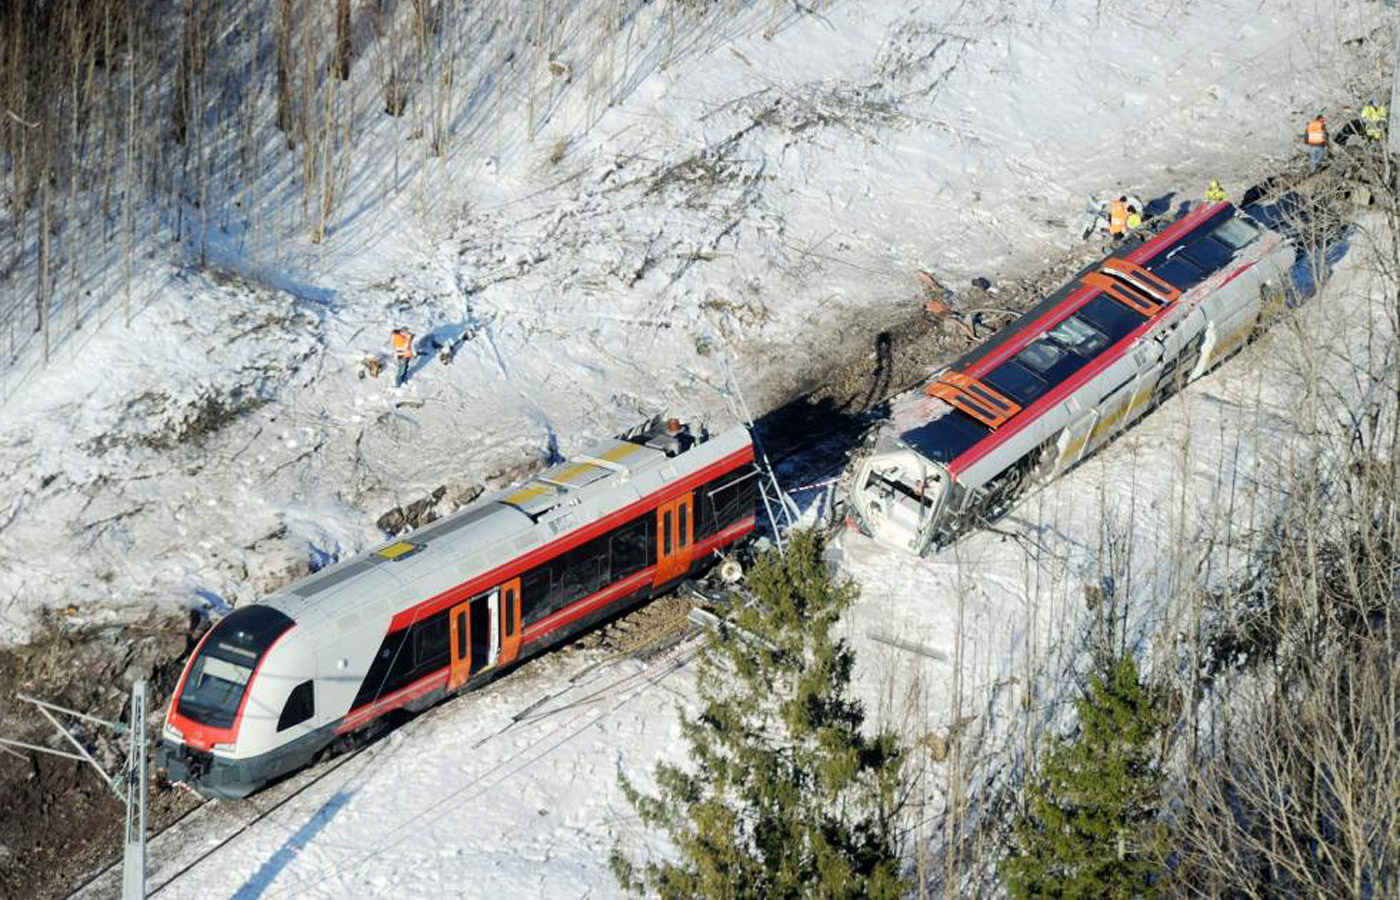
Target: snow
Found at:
756, 198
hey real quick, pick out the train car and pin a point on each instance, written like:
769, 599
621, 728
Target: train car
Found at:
452, 604
1067, 376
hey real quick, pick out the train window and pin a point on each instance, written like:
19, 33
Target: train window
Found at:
301, 705
1079, 336
389, 670
1016, 381
1114, 319
510, 611
535, 588
462, 635
629, 548
582, 576
214, 688
1208, 253
1180, 271
682, 526
430, 642
1235, 234
1040, 356
946, 436
725, 501
666, 533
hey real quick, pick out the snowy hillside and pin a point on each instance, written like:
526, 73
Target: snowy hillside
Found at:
766, 195
512, 791
760, 190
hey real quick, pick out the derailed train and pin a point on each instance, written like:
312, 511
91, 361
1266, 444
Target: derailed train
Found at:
455, 603
1067, 376
452, 604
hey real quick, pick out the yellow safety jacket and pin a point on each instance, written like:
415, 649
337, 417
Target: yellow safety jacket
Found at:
1216, 194
1375, 117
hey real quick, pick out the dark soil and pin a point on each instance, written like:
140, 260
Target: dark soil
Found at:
60, 821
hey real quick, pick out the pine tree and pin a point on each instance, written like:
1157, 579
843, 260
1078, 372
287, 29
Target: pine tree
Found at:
1089, 828
784, 795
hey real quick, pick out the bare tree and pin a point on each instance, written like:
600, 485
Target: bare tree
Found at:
342, 39
285, 22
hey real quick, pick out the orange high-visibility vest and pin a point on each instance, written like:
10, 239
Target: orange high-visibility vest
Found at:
1317, 132
403, 344
1118, 217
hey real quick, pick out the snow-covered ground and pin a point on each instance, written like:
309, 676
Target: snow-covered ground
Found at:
751, 199
470, 799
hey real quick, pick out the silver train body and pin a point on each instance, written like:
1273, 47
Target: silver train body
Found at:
452, 604
1066, 377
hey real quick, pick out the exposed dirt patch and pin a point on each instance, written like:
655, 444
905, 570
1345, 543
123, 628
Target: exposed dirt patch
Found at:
875, 353
60, 820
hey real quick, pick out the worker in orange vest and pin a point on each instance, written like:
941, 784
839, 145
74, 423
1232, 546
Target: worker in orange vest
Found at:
403, 353
1316, 139
1118, 219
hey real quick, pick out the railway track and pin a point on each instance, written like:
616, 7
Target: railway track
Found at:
198, 834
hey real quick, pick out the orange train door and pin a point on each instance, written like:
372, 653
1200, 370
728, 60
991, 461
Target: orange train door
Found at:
474, 634
459, 637
510, 621
675, 532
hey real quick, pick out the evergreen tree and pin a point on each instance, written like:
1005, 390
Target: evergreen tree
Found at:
1089, 828
783, 796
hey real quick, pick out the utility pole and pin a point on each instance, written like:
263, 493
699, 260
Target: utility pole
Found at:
134, 840
129, 785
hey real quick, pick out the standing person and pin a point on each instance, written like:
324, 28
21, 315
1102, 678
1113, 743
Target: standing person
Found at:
1375, 115
1316, 139
1134, 213
1215, 193
1118, 219
403, 353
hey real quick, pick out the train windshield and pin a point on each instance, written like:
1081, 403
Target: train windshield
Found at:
218, 677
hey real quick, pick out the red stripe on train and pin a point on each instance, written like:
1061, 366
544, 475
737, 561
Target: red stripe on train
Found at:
1085, 294
506, 571
393, 701
558, 620
973, 454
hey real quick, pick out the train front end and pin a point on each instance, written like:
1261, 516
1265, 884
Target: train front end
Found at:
898, 496
220, 736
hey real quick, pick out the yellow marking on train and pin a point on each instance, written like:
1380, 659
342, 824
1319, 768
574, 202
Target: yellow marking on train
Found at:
394, 551
1106, 423
1223, 348
530, 492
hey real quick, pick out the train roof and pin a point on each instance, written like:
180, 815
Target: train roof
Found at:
497, 528
1158, 271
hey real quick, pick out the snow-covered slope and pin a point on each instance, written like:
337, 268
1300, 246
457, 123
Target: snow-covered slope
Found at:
512, 791
765, 196
764, 193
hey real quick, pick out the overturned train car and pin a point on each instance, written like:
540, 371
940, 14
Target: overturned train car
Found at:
452, 604
1067, 376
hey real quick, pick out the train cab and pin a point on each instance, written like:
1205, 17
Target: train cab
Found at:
229, 701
